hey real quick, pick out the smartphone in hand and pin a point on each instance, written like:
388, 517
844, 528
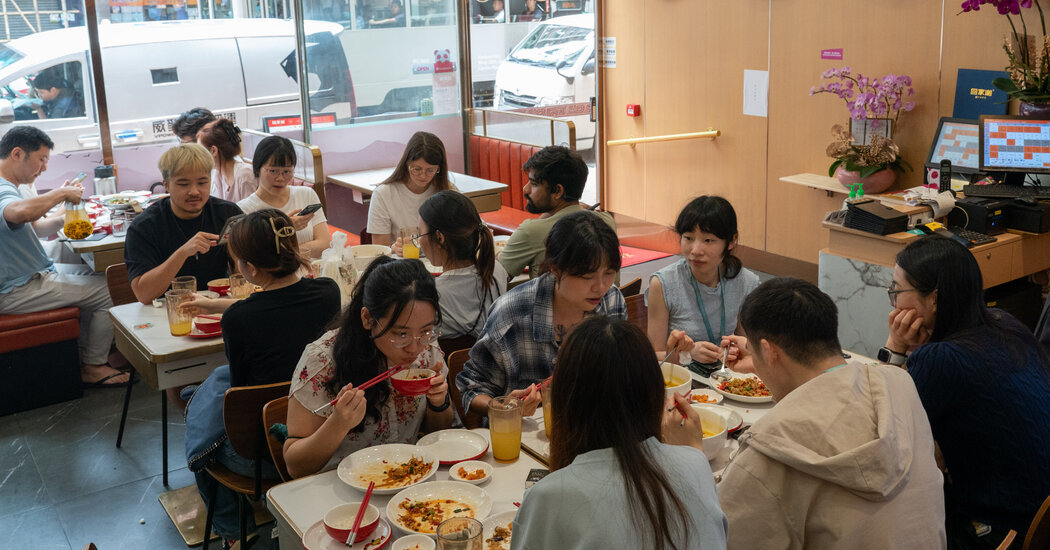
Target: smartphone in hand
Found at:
309, 209
80, 178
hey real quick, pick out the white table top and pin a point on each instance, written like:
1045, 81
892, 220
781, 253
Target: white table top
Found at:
106, 243
148, 326
366, 181
303, 502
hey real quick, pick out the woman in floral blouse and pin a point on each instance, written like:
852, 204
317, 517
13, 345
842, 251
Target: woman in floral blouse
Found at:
390, 321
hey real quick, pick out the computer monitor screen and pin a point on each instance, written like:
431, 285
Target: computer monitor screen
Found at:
956, 140
1015, 144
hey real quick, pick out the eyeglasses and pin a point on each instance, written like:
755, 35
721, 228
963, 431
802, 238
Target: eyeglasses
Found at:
284, 173
893, 292
419, 236
418, 171
403, 339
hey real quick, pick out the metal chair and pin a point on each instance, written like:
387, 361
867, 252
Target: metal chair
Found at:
120, 293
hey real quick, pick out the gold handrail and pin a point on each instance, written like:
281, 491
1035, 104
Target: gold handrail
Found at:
709, 134
570, 126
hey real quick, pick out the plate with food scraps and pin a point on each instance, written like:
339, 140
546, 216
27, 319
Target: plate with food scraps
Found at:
701, 395
421, 508
474, 472
393, 467
452, 446
316, 538
743, 388
123, 201
497, 530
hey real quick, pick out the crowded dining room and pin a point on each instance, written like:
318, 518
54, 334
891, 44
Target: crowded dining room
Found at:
438, 275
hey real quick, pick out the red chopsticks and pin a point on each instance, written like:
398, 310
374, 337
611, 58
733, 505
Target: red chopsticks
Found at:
381, 377
360, 514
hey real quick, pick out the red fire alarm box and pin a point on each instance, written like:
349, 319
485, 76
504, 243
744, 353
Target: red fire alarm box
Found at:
634, 110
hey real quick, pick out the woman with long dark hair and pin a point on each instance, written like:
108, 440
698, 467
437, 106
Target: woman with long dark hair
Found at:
453, 237
421, 172
391, 320
984, 383
700, 295
613, 483
525, 327
232, 178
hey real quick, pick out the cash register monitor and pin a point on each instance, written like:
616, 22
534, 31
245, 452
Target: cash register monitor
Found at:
1014, 146
956, 140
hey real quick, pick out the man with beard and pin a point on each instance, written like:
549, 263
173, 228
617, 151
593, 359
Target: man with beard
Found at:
557, 176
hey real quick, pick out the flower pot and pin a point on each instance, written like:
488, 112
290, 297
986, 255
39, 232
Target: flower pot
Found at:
1034, 110
873, 184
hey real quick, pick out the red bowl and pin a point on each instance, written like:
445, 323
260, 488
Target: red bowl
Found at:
204, 324
339, 520
222, 286
412, 382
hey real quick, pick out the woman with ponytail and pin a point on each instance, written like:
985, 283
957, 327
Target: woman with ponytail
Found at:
265, 335
453, 237
232, 178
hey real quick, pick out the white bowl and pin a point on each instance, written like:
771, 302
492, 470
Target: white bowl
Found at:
365, 253
412, 542
369, 463
471, 466
676, 373
452, 446
715, 422
479, 501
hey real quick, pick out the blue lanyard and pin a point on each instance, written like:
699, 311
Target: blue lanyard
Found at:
835, 367
703, 310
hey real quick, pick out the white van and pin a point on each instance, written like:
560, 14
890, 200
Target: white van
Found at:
552, 65
242, 69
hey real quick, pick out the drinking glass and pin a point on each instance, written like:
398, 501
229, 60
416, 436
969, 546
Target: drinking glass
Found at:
180, 319
459, 534
408, 248
185, 282
119, 220
239, 287
505, 427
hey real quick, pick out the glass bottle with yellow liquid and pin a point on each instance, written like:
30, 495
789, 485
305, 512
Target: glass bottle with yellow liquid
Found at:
78, 224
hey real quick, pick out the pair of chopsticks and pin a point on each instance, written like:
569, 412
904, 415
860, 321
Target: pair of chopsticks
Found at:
360, 514
386, 374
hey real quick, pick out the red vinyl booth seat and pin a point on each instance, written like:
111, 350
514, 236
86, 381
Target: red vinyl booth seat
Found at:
499, 160
28, 330
39, 359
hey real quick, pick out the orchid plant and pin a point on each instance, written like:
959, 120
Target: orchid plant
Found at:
866, 98
1029, 66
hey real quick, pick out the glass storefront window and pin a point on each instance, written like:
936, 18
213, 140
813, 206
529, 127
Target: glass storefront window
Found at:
427, 13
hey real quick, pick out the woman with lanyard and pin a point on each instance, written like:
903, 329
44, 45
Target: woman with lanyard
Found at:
706, 286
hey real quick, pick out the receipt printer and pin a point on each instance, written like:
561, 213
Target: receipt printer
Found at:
983, 215
1033, 217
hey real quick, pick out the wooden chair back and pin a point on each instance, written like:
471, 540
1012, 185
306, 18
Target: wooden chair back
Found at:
455, 361
1007, 540
452, 345
1038, 537
119, 286
276, 412
638, 312
632, 288
242, 413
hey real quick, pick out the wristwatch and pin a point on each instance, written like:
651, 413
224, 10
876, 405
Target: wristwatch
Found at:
886, 355
441, 407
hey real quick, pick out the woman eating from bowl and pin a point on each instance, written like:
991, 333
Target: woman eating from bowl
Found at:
984, 383
421, 172
232, 178
453, 237
700, 295
265, 335
613, 483
273, 165
517, 347
391, 321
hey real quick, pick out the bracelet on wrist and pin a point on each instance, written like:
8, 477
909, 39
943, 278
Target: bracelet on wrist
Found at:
440, 408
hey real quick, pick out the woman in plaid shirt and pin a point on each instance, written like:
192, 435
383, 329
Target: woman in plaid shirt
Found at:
517, 347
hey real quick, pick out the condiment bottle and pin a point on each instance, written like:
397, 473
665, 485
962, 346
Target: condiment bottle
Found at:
78, 224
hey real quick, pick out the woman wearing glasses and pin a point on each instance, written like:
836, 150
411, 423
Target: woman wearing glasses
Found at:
985, 385
273, 164
232, 178
391, 320
422, 171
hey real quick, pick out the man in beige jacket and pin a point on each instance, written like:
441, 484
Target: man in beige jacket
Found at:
846, 457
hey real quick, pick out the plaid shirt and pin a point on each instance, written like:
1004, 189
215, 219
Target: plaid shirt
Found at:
517, 346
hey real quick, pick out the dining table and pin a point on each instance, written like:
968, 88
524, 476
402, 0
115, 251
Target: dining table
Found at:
300, 503
99, 253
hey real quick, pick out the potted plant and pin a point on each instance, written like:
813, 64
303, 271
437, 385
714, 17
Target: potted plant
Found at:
865, 151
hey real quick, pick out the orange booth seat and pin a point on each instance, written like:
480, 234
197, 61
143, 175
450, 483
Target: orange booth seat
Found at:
39, 359
499, 160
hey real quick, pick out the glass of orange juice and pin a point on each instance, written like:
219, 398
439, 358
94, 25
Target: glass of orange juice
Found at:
505, 427
408, 248
180, 319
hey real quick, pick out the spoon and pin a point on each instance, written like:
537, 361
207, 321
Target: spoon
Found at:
722, 373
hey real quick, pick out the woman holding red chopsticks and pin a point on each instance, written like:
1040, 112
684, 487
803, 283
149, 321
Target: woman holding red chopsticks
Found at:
391, 321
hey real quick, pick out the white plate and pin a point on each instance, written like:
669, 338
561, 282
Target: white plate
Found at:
713, 396
489, 528
742, 398
107, 200
470, 466
316, 538
472, 495
208, 293
370, 461
452, 446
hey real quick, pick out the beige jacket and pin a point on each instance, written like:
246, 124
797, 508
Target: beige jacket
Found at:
844, 461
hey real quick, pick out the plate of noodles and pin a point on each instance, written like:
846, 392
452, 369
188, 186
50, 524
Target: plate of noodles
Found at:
743, 388
392, 467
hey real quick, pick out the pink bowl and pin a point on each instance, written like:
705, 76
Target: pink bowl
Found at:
204, 324
339, 520
412, 382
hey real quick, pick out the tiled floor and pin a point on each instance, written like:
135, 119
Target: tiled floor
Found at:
63, 482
